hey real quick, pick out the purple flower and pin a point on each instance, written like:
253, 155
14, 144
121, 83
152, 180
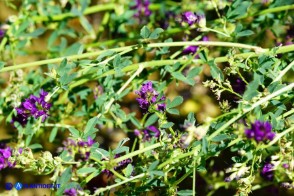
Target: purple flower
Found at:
267, 172
192, 18
2, 33
285, 165
239, 86
70, 192
148, 133
189, 17
148, 97
142, 8
260, 131
82, 147
33, 106
190, 50
5, 154
193, 49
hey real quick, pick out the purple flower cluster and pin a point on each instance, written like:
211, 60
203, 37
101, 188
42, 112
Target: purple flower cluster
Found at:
121, 165
33, 106
267, 172
148, 97
70, 192
83, 147
148, 133
260, 131
142, 7
5, 154
193, 18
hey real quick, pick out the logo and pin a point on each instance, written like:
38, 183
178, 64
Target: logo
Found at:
8, 186
18, 186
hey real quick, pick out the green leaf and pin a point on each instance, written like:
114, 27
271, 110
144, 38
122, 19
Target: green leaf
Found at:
2, 64
90, 127
185, 192
75, 48
53, 134
167, 125
220, 137
203, 56
204, 145
252, 87
37, 32
216, 73
177, 101
173, 111
244, 33
181, 77
35, 146
86, 170
128, 170
155, 34
151, 120
135, 121
145, 32
105, 54
65, 176
74, 132
238, 9
194, 72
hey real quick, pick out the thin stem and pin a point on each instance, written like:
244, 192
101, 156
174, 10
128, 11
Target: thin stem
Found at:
258, 103
132, 154
107, 107
216, 31
282, 73
286, 114
183, 177
278, 136
101, 190
276, 9
56, 125
89, 10
194, 178
152, 45
118, 174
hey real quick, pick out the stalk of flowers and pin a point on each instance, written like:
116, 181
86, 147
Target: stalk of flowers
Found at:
148, 99
32, 107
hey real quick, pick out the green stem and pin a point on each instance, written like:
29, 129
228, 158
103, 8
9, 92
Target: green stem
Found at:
258, 103
58, 60
89, 10
118, 174
286, 114
56, 125
216, 31
183, 177
276, 9
152, 45
278, 136
101, 190
132, 154
282, 73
